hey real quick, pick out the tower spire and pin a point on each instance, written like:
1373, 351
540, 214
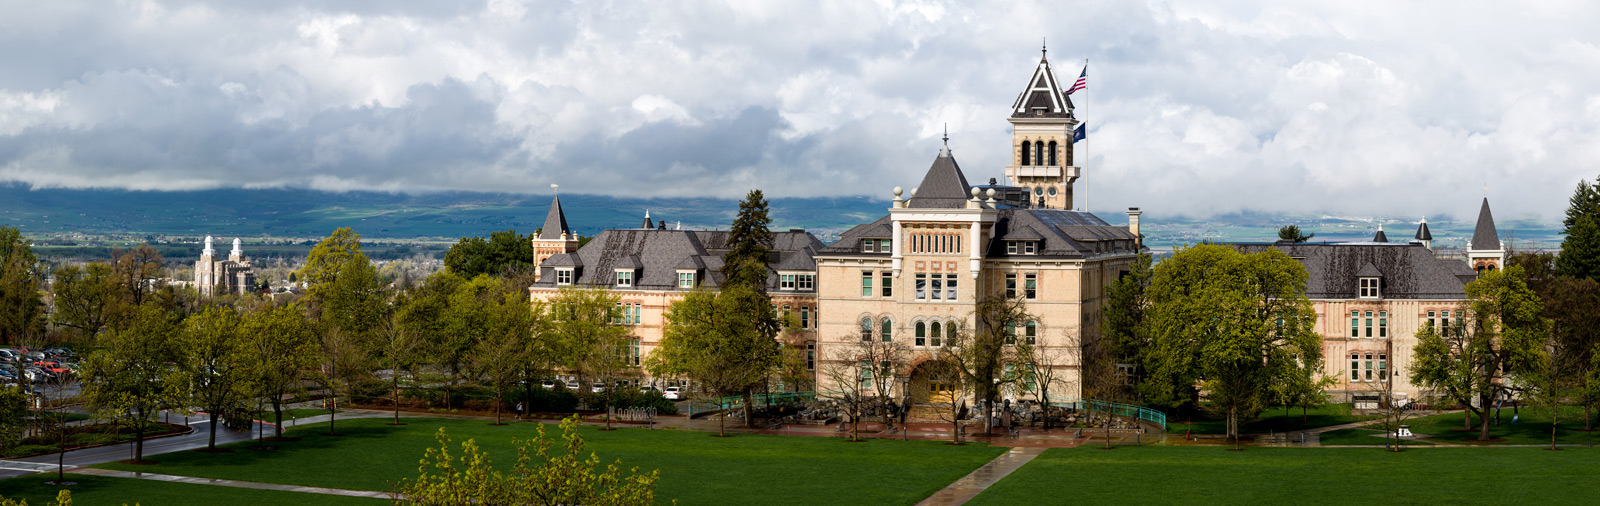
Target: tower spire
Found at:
1044, 49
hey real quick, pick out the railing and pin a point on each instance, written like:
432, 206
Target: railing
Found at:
737, 401
1115, 408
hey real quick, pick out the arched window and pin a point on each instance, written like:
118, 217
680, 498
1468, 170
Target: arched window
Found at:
922, 334
1027, 152
935, 334
1038, 153
1030, 331
887, 328
1052, 153
950, 332
866, 329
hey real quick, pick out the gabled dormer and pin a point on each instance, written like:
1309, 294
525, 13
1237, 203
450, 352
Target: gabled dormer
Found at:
1369, 282
626, 272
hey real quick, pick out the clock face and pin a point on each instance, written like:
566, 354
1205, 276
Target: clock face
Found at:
1052, 191
1038, 191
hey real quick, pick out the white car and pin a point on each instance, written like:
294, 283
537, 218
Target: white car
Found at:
598, 387
673, 393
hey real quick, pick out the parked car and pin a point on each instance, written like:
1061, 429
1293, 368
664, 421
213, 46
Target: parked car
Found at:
59, 353
53, 367
597, 387
573, 385
673, 394
548, 384
36, 375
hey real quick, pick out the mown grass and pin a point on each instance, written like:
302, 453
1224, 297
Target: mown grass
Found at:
101, 490
1272, 420
695, 468
1532, 428
1302, 476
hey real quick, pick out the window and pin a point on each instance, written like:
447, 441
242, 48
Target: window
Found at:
1052, 153
1038, 153
786, 282
1383, 324
807, 282
922, 287
887, 282
935, 334
563, 276
1355, 366
1383, 367
922, 334
624, 278
867, 245
1011, 286
633, 352
686, 279
1444, 323
886, 330
950, 287
1030, 286
885, 245
938, 284
866, 329
1355, 324
805, 317
866, 283
811, 356
866, 374
949, 332
1011, 333
628, 313
1030, 331
1369, 288
1368, 318
1368, 367
1011, 247
1027, 152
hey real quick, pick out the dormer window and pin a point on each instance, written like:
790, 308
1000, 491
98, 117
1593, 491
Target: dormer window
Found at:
1022, 247
874, 245
686, 280
563, 276
1370, 288
624, 278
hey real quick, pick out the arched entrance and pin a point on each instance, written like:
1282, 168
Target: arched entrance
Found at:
933, 382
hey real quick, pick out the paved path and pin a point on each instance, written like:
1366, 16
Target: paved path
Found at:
229, 483
971, 485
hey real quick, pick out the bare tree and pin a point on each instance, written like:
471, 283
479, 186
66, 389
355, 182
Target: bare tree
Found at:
1044, 366
947, 388
861, 372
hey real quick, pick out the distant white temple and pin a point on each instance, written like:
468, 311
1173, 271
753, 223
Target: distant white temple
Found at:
233, 275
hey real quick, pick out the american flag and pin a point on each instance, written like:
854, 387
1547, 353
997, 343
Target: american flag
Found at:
1083, 80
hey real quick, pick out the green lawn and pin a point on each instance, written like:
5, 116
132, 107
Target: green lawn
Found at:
1533, 427
1272, 420
100, 490
695, 468
290, 414
1301, 476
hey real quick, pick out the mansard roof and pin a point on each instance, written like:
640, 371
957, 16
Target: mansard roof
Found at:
1043, 97
1484, 237
944, 186
659, 254
555, 223
1061, 234
1409, 271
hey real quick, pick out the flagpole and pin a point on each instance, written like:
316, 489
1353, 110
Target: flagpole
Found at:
1086, 137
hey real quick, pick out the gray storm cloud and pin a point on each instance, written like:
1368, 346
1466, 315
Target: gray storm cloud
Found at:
1193, 108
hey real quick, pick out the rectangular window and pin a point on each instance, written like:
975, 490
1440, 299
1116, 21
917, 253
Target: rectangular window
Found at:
686, 280
887, 283
1027, 247
1030, 286
922, 287
1011, 286
950, 287
807, 282
938, 287
638, 311
866, 245
1368, 368
1011, 247
1011, 333
885, 245
786, 282
624, 278
811, 357
1383, 324
1444, 323
866, 283
866, 374
1355, 324
1355, 367
805, 317
1369, 288
634, 352
1383, 367
886, 330
563, 276
1369, 323
1030, 331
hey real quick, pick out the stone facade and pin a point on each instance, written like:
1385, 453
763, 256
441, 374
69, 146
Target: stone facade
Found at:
232, 275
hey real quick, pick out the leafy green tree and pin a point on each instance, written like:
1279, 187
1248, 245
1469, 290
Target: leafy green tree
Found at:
282, 348
325, 261
398, 351
506, 344
1580, 250
725, 340
1232, 323
1126, 331
138, 271
13, 417
355, 301
344, 360
543, 475
1505, 339
86, 298
213, 357
749, 242
503, 251
129, 379
1292, 233
588, 336
22, 314
425, 313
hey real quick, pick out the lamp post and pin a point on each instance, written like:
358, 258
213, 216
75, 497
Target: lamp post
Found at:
905, 407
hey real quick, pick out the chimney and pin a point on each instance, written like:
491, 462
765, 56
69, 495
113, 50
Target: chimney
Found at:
1133, 226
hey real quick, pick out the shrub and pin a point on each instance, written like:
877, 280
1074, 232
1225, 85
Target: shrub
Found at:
33, 449
559, 400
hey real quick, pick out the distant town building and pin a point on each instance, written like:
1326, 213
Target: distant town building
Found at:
231, 275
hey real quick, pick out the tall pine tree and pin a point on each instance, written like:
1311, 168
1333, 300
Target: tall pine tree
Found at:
748, 245
1580, 251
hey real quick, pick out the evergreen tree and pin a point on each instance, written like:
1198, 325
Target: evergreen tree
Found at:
749, 242
1292, 233
1580, 251
503, 251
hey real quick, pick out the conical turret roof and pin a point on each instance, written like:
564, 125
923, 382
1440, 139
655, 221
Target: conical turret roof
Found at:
1484, 237
1422, 231
944, 186
555, 223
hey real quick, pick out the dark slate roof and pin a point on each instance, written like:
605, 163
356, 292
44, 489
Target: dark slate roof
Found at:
1062, 234
1484, 237
798, 261
1042, 91
1422, 232
659, 254
1409, 271
944, 187
555, 223
1380, 237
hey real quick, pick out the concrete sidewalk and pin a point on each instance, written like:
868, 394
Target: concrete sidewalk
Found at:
91, 471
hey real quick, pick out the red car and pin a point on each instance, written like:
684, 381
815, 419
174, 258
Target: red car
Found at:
53, 367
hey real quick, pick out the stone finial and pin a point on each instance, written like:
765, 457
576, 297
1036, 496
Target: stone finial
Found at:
209, 249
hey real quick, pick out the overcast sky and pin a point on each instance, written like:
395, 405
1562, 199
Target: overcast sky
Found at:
1361, 108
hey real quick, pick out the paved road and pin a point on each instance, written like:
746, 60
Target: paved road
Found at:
124, 451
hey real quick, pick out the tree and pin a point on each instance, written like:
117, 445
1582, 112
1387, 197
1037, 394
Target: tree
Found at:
213, 359
13, 417
282, 347
325, 261
138, 271
591, 338
397, 351
541, 476
21, 307
987, 352
947, 388
725, 340
1041, 367
1474, 363
1232, 323
1395, 409
86, 298
128, 378
1292, 233
1580, 249
749, 242
354, 301
862, 372
63, 498
504, 251
344, 362
425, 313
507, 342
1126, 331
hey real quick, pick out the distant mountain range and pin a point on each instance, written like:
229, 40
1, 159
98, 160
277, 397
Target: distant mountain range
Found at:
290, 213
